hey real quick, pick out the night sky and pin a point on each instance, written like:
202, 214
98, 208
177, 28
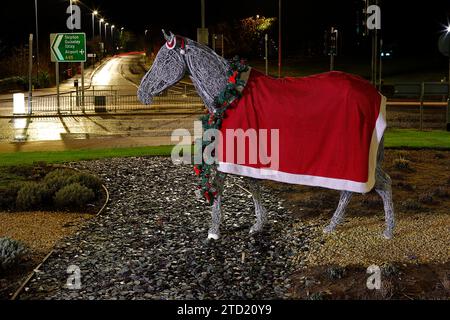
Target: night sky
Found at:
413, 27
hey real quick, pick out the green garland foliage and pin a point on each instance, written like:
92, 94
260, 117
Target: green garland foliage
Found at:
224, 101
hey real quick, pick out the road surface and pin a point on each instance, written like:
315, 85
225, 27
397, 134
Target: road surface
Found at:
124, 73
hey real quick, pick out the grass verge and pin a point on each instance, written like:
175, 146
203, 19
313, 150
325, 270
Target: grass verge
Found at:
414, 139
395, 138
26, 158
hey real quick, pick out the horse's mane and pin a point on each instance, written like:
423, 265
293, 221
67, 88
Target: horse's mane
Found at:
208, 71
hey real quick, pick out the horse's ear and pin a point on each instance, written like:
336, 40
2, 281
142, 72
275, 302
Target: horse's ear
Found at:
168, 38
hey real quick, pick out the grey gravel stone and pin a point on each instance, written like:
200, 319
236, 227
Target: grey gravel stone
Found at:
150, 242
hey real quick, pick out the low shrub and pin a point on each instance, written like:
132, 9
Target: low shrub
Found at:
390, 270
336, 273
441, 192
426, 198
87, 180
402, 164
32, 195
317, 296
8, 196
13, 83
11, 253
372, 200
43, 80
58, 179
412, 205
406, 186
73, 196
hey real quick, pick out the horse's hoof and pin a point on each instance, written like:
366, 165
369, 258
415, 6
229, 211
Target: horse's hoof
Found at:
329, 229
388, 235
255, 231
212, 236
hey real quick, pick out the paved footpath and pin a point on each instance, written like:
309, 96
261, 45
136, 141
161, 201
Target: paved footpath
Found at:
90, 132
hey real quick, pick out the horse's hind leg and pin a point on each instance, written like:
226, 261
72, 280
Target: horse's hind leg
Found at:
216, 215
384, 189
338, 216
261, 212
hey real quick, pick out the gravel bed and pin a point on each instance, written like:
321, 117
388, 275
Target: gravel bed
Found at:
151, 242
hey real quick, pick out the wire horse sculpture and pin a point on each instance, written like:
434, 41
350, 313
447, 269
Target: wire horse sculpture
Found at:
208, 72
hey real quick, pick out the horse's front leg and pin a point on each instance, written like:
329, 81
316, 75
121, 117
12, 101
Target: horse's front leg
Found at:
261, 212
214, 231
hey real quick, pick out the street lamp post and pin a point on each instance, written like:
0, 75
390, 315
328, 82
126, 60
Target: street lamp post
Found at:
106, 26
94, 13
112, 38
100, 27
37, 35
106, 34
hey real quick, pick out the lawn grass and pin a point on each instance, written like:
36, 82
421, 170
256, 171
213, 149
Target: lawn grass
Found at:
26, 158
402, 138
395, 138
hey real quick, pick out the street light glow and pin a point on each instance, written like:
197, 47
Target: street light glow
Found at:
102, 20
448, 29
95, 12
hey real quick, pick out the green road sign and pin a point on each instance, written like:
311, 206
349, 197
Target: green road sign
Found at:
68, 47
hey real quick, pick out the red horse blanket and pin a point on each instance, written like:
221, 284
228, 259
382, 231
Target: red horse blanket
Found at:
321, 131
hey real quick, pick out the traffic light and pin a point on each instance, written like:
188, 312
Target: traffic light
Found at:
331, 42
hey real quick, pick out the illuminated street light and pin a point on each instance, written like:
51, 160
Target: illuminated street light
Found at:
112, 36
106, 34
94, 13
448, 29
100, 27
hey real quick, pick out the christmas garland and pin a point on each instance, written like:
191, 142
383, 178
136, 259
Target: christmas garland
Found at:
233, 91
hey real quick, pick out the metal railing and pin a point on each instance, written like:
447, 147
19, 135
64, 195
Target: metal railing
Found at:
429, 95
101, 99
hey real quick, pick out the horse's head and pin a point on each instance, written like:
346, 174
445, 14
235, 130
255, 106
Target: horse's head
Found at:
207, 70
168, 68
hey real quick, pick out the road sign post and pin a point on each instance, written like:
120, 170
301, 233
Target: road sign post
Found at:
82, 87
68, 47
57, 86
